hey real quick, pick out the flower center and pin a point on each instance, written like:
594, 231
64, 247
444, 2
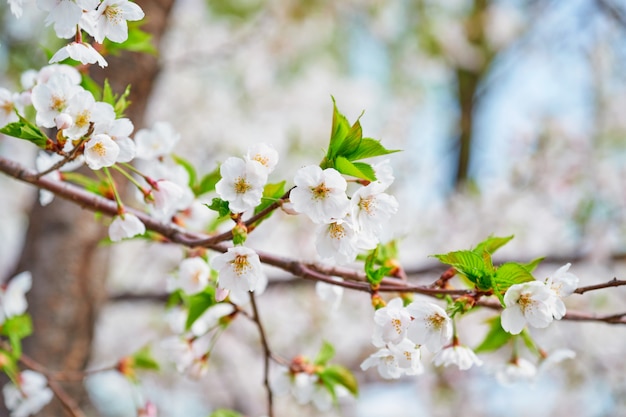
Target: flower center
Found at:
113, 14
57, 103
263, 160
240, 264
320, 192
242, 186
7, 107
436, 321
525, 301
367, 205
397, 325
336, 231
99, 148
407, 355
82, 118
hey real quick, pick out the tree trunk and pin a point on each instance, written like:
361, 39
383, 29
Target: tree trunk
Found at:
62, 249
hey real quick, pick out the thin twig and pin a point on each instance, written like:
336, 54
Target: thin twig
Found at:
267, 354
68, 403
612, 283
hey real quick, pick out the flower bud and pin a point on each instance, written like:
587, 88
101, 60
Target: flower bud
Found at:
63, 121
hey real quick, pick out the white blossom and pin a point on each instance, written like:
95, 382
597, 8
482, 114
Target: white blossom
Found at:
156, 142
241, 184
51, 98
562, 284
517, 370
13, 296
193, 275
31, 395
396, 360
119, 130
330, 293
65, 14
263, 154
530, 302
84, 110
125, 226
430, 327
337, 242
101, 151
372, 209
239, 271
167, 195
7, 106
44, 74
79, 51
555, 358
384, 173
190, 355
109, 20
16, 7
392, 322
321, 195
458, 355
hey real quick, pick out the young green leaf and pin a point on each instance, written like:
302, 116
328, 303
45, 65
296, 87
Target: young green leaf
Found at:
496, 337
508, 274
207, 183
191, 171
338, 375
355, 169
271, 193
467, 263
491, 244
339, 130
530, 266
369, 148
143, 359
198, 304
27, 131
326, 353
219, 205
351, 141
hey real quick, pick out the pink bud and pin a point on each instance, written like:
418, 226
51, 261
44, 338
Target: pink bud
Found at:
63, 121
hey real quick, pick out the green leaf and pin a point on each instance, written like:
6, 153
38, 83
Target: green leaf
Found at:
508, 274
377, 257
107, 93
496, 337
122, 103
191, 171
17, 326
491, 244
369, 148
326, 353
143, 359
467, 263
530, 266
355, 169
225, 413
271, 193
351, 141
27, 131
339, 130
338, 375
219, 205
207, 183
198, 304
138, 41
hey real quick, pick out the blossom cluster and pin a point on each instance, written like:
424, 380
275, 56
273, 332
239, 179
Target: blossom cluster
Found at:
100, 19
346, 225
401, 332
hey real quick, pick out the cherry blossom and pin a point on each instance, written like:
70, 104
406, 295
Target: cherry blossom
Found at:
211, 318
239, 271
458, 355
321, 195
517, 370
392, 322
101, 151
167, 195
16, 7
156, 142
29, 397
84, 110
384, 173
13, 296
81, 52
263, 154
337, 242
530, 302
125, 226
330, 293
396, 360
193, 275
119, 130
66, 14
7, 105
562, 284
51, 98
431, 325
372, 209
109, 20
241, 184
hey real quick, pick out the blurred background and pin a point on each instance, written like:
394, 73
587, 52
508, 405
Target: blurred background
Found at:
511, 118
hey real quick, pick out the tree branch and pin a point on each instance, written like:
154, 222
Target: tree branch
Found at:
267, 354
612, 283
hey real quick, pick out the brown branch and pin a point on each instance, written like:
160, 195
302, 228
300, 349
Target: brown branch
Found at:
267, 354
612, 283
354, 280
